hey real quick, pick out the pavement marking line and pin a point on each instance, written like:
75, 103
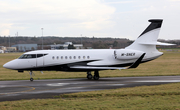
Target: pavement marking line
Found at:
168, 81
117, 84
32, 88
71, 87
58, 84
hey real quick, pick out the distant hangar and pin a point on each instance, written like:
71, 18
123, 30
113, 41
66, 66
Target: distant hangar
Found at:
25, 47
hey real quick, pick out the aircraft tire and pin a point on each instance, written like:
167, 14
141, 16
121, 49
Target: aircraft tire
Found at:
96, 77
89, 76
31, 79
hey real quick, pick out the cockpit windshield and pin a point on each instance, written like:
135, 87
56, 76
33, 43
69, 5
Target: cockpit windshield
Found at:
30, 56
27, 56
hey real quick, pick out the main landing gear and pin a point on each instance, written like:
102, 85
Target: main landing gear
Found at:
31, 75
89, 75
96, 75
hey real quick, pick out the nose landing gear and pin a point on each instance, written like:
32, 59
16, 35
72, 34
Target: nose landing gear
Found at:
31, 75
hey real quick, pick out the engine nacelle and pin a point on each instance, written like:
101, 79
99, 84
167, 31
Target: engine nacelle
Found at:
127, 54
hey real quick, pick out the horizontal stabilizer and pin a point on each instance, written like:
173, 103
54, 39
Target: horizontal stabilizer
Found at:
156, 43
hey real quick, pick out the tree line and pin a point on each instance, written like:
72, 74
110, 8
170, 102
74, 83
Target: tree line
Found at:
88, 42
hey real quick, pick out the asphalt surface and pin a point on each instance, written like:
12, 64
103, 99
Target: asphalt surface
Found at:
41, 89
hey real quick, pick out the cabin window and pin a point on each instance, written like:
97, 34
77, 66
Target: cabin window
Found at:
70, 57
57, 57
74, 57
53, 57
88, 57
61, 57
84, 57
66, 57
79, 57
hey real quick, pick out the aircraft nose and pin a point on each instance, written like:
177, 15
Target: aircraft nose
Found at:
10, 65
7, 65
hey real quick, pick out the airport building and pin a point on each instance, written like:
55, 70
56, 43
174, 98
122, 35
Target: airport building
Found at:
65, 46
25, 47
11, 49
7, 49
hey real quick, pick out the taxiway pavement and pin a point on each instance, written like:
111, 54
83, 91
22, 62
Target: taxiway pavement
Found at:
39, 89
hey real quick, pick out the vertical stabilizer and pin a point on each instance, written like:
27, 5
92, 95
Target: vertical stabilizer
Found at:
148, 36
155, 24
147, 41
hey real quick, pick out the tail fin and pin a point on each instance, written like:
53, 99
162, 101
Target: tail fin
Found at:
147, 41
155, 24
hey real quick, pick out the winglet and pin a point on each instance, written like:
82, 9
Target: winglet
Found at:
136, 64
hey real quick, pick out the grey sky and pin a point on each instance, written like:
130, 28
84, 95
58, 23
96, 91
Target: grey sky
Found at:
99, 18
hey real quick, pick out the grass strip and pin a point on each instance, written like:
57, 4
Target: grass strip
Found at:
143, 91
161, 97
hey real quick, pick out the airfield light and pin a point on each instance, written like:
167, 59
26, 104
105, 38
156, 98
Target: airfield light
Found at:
42, 38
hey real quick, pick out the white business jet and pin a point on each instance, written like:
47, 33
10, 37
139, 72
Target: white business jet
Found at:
143, 49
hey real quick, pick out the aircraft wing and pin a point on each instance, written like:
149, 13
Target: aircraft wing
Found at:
100, 68
134, 65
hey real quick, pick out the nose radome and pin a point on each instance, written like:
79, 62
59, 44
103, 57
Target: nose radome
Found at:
7, 65
10, 65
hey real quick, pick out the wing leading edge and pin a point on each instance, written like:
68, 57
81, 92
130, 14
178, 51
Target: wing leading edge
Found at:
134, 65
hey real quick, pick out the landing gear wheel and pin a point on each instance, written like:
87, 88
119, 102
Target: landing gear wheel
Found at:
96, 77
89, 76
31, 79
